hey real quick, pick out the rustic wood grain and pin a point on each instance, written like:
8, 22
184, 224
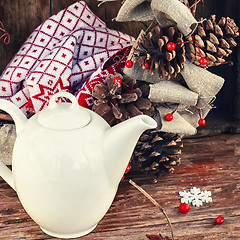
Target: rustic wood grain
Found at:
20, 18
111, 9
57, 5
107, 12
211, 163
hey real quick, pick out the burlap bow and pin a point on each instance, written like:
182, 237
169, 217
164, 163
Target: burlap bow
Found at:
166, 12
187, 103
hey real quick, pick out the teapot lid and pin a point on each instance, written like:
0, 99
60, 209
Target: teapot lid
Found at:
64, 116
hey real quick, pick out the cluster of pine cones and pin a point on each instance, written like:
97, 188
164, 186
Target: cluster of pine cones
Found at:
212, 40
157, 152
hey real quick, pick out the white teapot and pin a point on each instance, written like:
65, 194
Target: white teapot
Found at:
67, 164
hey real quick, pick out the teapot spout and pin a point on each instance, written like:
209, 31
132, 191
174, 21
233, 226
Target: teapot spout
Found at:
119, 144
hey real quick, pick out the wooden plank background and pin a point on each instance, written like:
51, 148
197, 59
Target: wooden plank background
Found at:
21, 17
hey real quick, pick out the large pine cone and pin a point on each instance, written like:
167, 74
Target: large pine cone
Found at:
214, 39
157, 152
152, 52
116, 102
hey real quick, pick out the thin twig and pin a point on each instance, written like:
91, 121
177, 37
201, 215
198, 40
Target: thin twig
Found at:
194, 4
6, 35
193, 7
154, 202
104, 1
151, 26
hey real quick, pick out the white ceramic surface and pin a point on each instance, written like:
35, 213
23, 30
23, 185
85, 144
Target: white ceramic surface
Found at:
67, 164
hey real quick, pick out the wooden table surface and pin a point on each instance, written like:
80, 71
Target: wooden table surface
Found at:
211, 163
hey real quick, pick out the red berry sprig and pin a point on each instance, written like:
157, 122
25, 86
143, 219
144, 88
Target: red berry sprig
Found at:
169, 117
129, 63
219, 220
119, 80
147, 65
171, 46
184, 208
201, 122
126, 171
203, 61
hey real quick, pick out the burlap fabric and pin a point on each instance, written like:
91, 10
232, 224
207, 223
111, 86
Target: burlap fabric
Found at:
178, 125
192, 100
172, 92
201, 81
166, 12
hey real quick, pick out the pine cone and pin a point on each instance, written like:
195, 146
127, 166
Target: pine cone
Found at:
152, 52
116, 102
214, 41
157, 152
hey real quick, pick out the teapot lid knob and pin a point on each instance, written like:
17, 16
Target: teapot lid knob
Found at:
64, 116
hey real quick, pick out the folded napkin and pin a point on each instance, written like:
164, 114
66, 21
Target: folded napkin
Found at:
65, 53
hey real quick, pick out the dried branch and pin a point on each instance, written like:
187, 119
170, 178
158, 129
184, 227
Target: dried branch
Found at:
5, 35
154, 202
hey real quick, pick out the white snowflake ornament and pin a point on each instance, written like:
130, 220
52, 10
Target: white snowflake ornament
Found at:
195, 196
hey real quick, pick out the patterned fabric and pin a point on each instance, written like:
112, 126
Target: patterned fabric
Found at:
84, 95
60, 55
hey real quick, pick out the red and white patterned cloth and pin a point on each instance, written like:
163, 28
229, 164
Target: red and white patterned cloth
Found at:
60, 55
84, 94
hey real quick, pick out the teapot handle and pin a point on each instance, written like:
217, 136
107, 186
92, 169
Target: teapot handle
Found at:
19, 119
6, 174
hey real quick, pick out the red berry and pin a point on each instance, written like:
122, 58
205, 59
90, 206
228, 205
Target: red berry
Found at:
117, 79
123, 177
184, 208
169, 117
203, 61
171, 46
219, 220
202, 122
127, 169
147, 66
129, 64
